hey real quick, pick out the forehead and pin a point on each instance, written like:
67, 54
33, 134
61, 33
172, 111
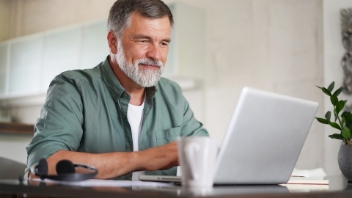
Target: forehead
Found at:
139, 24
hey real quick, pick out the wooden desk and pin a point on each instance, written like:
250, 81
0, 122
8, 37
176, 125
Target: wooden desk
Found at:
13, 188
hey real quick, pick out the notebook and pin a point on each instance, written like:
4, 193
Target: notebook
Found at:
263, 141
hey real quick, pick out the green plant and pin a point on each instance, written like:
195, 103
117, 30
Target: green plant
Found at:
342, 121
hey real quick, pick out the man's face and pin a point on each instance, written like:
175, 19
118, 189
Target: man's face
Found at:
142, 50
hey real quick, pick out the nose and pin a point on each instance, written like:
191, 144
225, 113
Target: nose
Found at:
154, 52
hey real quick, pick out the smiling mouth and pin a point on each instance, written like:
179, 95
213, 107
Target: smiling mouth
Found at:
150, 66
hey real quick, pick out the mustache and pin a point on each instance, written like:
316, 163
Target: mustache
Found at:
156, 63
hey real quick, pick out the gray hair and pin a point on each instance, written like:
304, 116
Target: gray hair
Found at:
120, 12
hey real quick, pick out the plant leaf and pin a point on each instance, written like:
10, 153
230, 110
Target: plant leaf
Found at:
328, 115
336, 136
335, 114
342, 122
326, 91
348, 119
340, 105
322, 120
346, 133
334, 100
335, 125
331, 86
337, 92
319, 87
345, 114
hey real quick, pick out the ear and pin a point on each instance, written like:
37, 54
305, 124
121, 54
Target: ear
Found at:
112, 41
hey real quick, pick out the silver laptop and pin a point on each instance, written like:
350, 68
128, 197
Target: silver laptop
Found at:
263, 141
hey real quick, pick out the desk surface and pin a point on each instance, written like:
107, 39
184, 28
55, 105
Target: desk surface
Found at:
338, 187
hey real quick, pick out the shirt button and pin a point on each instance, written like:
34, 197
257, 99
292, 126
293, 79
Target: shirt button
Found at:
128, 147
124, 116
125, 95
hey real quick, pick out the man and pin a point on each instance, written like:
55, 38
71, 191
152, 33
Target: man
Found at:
99, 116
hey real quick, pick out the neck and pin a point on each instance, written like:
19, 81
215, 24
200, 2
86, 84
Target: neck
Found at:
136, 91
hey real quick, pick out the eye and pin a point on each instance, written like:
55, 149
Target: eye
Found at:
143, 41
165, 44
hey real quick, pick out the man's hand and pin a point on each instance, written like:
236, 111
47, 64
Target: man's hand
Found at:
115, 164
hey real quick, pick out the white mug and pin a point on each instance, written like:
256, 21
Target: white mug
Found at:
197, 155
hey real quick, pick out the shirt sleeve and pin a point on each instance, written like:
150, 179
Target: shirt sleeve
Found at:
60, 124
191, 126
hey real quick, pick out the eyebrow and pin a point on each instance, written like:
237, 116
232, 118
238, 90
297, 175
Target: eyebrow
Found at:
140, 36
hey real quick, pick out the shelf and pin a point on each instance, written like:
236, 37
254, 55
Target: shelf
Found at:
16, 128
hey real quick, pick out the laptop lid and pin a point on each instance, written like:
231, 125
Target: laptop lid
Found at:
264, 139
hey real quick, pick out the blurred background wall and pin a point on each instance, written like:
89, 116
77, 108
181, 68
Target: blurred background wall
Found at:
283, 46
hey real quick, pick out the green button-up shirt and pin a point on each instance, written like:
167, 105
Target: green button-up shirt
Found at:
86, 111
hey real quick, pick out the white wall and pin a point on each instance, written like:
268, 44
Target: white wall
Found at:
333, 52
33, 16
275, 45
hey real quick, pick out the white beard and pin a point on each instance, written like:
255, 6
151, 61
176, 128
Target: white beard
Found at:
143, 77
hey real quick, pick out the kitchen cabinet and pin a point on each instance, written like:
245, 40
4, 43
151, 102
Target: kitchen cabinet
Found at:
29, 63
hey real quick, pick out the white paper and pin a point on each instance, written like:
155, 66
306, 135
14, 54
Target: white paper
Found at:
300, 173
316, 173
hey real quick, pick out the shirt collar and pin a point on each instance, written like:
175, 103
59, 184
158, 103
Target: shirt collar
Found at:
114, 86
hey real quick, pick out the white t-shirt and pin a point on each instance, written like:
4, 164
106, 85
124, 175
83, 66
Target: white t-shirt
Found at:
134, 116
